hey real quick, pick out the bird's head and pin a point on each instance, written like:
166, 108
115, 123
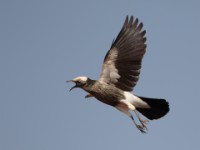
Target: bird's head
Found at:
79, 82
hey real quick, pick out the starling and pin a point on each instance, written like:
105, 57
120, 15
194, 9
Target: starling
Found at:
119, 75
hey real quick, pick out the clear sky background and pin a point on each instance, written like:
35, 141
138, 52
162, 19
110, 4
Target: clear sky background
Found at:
43, 43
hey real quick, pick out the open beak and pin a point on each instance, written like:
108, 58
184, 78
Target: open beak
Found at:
73, 86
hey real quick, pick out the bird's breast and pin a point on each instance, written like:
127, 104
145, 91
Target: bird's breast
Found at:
107, 94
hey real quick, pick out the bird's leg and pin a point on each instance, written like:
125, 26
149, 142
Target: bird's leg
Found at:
142, 121
123, 108
141, 128
88, 95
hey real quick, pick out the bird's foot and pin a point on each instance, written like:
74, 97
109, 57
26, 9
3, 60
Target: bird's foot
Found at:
144, 123
88, 95
142, 128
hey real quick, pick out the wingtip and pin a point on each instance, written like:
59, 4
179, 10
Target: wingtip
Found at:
126, 20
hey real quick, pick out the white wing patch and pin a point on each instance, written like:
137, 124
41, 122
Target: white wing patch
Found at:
110, 73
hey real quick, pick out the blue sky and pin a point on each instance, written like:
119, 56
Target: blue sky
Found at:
44, 43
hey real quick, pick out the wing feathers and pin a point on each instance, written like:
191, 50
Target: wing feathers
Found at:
122, 62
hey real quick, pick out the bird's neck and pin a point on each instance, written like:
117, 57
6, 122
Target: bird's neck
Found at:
88, 86
90, 82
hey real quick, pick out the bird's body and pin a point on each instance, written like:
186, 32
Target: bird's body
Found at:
120, 73
105, 93
111, 95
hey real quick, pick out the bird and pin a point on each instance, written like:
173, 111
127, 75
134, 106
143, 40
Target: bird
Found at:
120, 74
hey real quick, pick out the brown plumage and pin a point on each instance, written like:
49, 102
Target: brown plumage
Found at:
120, 73
124, 58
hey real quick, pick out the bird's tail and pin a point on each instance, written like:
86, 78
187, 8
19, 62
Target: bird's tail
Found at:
158, 108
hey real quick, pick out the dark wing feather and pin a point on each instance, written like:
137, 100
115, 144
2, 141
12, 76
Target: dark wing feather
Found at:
122, 62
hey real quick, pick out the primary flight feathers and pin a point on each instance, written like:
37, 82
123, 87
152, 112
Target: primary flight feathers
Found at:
122, 62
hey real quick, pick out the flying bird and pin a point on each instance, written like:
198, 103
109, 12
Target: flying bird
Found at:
119, 75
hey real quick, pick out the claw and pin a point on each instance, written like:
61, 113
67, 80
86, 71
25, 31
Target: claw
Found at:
88, 95
144, 123
141, 128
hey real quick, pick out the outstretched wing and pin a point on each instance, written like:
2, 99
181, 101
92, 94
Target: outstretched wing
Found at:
122, 63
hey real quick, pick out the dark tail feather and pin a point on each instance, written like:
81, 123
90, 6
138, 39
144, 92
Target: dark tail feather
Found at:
159, 108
